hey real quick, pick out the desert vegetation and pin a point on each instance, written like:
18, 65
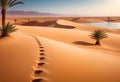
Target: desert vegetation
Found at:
98, 35
7, 29
5, 4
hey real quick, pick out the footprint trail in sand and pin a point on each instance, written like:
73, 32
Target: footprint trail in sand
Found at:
37, 75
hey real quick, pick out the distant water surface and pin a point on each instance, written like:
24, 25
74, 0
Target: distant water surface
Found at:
113, 25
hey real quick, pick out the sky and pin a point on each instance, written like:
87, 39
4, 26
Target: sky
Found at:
72, 7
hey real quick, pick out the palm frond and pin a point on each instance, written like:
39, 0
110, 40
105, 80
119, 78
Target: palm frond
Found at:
98, 34
9, 3
7, 29
15, 3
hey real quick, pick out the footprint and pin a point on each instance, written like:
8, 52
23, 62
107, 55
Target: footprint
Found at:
42, 58
42, 50
40, 44
41, 63
37, 80
38, 71
41, 47
42, 53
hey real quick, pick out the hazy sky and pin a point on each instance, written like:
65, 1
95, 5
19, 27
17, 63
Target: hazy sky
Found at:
77, 7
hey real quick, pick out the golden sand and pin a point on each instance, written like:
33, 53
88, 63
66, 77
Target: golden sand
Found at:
71, 55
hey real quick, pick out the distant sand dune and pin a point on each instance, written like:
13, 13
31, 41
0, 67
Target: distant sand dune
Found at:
94, 19
36, 23
85, 27
47, 23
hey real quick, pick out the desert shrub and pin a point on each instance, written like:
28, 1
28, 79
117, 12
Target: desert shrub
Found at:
7, 29
98, 35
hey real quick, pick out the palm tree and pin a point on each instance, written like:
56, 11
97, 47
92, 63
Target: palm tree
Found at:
4, 4
98, 35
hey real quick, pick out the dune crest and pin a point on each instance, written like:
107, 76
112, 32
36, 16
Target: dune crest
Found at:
85, 27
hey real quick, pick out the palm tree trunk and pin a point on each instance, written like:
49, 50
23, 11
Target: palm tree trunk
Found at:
3, 17
3, 11
97, 42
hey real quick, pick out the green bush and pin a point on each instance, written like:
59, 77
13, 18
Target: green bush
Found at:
7, 29
98, 35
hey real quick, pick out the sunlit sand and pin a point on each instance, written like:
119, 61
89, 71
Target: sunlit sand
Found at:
63, 54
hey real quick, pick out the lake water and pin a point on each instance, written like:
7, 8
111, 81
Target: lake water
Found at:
106, 24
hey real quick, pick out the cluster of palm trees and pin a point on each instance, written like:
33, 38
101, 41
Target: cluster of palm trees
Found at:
4, 5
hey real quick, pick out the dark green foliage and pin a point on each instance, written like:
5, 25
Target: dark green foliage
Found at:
7, 29
98, 35
4, 5
9, 3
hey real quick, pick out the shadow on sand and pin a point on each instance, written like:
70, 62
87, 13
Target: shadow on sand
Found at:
83, 43
46, 24
64, 26
75, 19
36, 23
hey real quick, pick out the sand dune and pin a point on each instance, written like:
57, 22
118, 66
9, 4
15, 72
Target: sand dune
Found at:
85, 27
67, 63
18, 54
72, 35
88, 19
70, 54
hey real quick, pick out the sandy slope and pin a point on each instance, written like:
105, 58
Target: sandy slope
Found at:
70, 55
67, 63
77, 38
17, 56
